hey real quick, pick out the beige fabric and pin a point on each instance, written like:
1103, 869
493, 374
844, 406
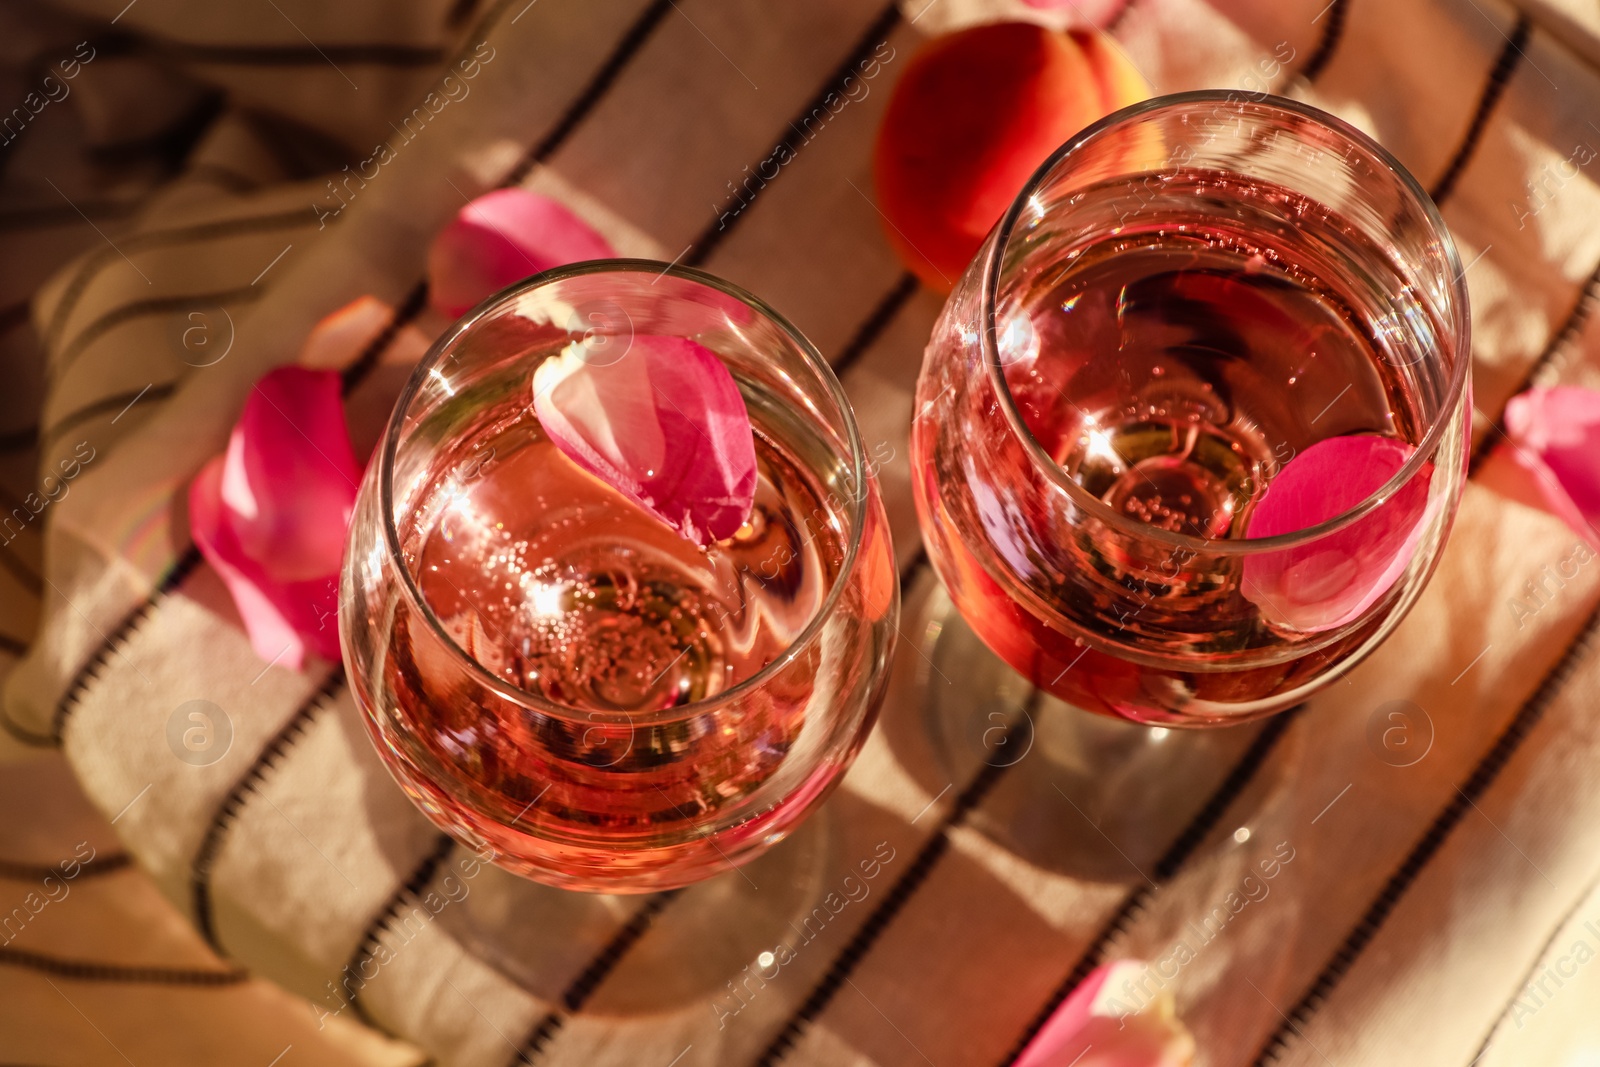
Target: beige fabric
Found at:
315, 851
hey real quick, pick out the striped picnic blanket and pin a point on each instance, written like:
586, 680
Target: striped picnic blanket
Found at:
1434, 893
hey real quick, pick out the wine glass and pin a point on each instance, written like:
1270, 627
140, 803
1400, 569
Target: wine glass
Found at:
1199, 300
558, 678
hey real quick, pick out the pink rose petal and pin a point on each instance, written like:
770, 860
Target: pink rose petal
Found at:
270, 514
1096, 13
341, 337
1555, 434
1330, 581
1109, 1021
501, 238
664, 424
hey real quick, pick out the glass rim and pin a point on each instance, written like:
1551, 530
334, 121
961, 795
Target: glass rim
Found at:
856, 513
1460, 324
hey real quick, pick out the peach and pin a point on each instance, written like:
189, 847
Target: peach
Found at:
974, 115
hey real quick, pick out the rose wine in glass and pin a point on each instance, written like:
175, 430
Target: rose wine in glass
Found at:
1189, 436
563, 586
1183, 305
550, 669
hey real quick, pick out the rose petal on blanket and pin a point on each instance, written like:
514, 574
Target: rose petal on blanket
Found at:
501, 238
271, 513
1555, 437
342, 337
1096, 13
1108, 1022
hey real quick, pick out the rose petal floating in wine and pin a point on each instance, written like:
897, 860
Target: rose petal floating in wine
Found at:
501, 238
270, 514
342, 337
1332, 580
974, 115
1109, 1021
1555, 434
664, 424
